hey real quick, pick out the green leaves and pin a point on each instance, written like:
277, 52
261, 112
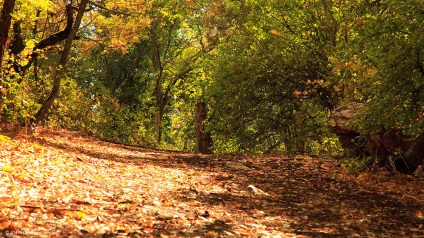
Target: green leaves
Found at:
390, 43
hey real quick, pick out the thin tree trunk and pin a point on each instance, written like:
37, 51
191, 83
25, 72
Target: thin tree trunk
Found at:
160, 108
61, 71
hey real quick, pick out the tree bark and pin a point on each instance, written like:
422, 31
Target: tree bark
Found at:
51, 40
203, 138
61, 71
5, 23
160, 108
414, 156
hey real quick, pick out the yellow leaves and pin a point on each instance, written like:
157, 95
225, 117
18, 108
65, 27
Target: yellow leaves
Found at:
43, 5
2, 137
27, 13
30, 44
124, 207
80, 216
123, 26
7, 168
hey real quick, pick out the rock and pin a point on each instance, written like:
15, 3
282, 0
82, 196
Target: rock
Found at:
340, 122
380, 145
343, 116
256, 191
236, 165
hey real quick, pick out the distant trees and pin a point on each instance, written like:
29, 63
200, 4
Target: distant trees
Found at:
272, 77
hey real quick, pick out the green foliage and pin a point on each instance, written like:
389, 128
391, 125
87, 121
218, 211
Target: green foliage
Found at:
391, 44
20, 102
357, 164
269, 71
71, 110
101, 116
115, 122
269, 92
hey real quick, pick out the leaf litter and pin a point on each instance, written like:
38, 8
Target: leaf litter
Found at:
66, 184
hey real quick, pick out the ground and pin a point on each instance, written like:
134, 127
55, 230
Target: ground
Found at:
57, 183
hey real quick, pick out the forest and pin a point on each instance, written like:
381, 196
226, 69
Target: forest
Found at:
268, 74
210, 83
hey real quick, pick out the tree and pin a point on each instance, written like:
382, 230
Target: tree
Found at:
273, 87
5, 23
177, 47
387, 48
203, 138
60, 72
39, 26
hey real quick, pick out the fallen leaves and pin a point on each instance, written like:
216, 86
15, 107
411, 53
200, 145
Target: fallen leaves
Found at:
70, 184
7, 168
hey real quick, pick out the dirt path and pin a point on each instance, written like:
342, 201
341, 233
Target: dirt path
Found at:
61, 184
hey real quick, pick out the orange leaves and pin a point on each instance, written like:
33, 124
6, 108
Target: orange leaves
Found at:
277, 33
4, 223
123, 25
118, 190
313, 87
81, 181
359, 22
59, 213
420, 215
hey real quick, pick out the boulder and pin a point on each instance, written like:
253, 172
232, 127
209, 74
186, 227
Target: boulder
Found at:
340, 121
379, 145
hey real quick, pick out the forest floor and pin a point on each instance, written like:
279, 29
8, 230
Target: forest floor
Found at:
65, 184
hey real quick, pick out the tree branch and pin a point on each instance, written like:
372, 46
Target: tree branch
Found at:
5, 23
50, 40
109, 10
419, 64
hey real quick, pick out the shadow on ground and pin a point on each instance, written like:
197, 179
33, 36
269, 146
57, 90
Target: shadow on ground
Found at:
306, 195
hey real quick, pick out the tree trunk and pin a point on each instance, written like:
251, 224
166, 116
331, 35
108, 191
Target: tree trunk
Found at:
5, 23
61, 71
203, 139
160, 108
414, 156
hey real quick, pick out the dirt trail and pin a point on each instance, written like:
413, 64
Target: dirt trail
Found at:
61, 184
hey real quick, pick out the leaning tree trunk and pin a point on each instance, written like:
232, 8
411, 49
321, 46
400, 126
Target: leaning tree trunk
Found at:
61, 71
414, 156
